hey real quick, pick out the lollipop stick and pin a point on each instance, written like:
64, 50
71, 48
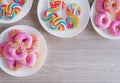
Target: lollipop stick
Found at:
4, 2
75, 8
60, 8
48, 2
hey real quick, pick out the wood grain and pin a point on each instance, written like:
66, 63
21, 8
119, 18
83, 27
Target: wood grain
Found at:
85, 58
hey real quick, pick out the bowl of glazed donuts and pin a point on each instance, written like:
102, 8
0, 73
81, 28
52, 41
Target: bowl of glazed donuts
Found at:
63, 18
23, 50
105, 18
14, 10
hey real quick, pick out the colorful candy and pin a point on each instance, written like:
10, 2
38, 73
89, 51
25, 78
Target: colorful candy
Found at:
72, 21
12, 10
56, 4
15, 52
58, 24
49, 15
2, 10
20, 2
73, 9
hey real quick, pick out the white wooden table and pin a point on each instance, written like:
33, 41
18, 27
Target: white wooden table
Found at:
85, 58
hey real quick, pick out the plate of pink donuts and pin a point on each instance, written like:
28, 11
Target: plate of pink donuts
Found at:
63, 18
14, 10
23, 50
105, 18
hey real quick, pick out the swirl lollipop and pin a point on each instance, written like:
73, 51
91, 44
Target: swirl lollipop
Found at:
73, 9
49, 15
20, 2
56, 4
72, 21
12, 10
58, 24
2, 10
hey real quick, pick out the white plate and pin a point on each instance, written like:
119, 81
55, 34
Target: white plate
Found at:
103, 33
84, 18
25, 10
42, 50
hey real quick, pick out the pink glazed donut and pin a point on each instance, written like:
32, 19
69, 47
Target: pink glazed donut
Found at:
14, 64
24, 38
102, 20
12, 34
99, 6
114, 28
118, 15
30, 60
13, 51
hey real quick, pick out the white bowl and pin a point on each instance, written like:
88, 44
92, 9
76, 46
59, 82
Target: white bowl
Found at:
42, 50
24, 11
103, 33
84, 18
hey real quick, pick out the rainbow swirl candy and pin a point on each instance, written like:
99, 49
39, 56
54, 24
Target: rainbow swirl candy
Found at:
56, 4
49, 15
20, 2
73, 9
58, 24
12, 10
72, 21
2, 11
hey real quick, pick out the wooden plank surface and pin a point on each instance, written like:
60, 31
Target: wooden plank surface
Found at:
85, 58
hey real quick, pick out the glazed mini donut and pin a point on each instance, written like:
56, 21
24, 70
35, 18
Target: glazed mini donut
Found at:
1, 47
7, 53
24, 38
114, 28
102, 20
20, 2
30, 60
99, 6
112, 6
14, 64
56, 4
12, 34
73, 9
49, 15
118, 15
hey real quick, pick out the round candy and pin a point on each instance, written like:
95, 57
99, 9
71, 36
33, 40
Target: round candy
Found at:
112, 6
118, 15
2, 10
12, 10
73, 21
20, 2
49, 15
58, 24
114, 28
102, 20
56, 4
73, 9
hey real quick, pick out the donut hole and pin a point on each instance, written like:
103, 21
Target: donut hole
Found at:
18, 51
24, 40
117, 28
104, 20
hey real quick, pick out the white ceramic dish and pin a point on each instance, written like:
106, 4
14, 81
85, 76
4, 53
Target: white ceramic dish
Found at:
25, 10
84, 18
103, 33
42, 50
